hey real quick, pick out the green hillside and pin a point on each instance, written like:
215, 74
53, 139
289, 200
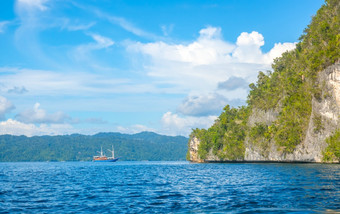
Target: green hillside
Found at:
142, 146
289, 89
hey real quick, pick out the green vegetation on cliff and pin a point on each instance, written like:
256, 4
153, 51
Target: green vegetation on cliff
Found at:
289, 89
226, 137
142, 146
332, 152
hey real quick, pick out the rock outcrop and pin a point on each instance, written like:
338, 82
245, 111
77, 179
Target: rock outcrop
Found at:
193, 149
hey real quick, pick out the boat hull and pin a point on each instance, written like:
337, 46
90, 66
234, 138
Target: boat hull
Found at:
107, 160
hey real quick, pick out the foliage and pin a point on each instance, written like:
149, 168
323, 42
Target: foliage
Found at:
142, 146
260, 135
332, 152
225, 138
289, 89
317, 120
321, 41
292, 85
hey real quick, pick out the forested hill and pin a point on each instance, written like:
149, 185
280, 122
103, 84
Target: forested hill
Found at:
76, 147
293, 111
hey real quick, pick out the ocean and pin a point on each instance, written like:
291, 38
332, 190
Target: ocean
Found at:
168, 187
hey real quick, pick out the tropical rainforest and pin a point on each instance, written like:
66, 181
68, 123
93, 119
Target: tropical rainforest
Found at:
76, 147
289, 89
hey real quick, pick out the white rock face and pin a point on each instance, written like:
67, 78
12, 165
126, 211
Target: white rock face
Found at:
193, 149
334, 81
329, 110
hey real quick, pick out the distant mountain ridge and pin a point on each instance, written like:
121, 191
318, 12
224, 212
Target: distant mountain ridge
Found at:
77, 147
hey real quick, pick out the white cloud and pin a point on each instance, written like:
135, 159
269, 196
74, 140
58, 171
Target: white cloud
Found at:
5, 107
75, 26
50, 83
3, 25
250, 39
173, 124
134, 129
82, 51
198, 67
17, 90
122, 22
102, 42
277, 51
201, 69
167, 29
33, 17
38, 115
128, 26
203, 105
33, 4
233, 83
206, 104
208, 49
94, 120
15, 127
248, 48
210, 33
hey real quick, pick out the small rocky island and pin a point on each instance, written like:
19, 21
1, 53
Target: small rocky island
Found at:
292, 113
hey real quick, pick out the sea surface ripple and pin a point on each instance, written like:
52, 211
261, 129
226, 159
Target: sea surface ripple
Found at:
168, 187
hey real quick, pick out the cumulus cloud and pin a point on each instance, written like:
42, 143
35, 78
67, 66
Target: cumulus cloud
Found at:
210, 104
38, 115
277, 51
17, 90
199, 66
206, 105
233, 83
248, 48
5, 107
174, 124
208, 49
15, 127
250, 39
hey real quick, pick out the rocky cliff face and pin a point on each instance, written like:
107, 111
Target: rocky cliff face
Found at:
323, 122
193, 149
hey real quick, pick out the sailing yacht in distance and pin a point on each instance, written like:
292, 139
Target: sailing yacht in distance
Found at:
104, 158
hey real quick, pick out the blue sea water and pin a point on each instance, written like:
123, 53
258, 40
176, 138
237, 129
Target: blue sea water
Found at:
168, 187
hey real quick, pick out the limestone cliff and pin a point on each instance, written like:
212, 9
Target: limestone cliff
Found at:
323, 122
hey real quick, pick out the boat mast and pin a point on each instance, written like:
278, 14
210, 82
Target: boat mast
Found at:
101, 151
113, 152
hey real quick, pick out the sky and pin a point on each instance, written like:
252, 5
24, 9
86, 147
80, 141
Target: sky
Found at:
128, 66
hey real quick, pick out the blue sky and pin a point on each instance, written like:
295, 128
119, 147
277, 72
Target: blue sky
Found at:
129, 66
